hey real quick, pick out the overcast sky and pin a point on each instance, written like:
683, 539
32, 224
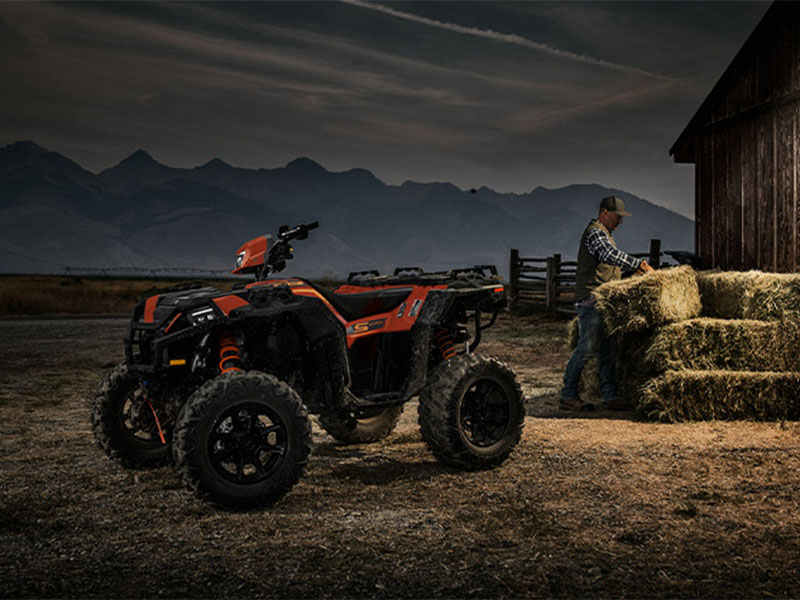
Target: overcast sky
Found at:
506, 95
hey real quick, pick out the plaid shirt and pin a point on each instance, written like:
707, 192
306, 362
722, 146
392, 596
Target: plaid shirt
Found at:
599, 245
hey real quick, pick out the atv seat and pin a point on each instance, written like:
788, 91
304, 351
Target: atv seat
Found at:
364, 304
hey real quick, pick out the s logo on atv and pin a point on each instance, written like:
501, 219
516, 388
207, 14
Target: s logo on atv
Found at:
366, 326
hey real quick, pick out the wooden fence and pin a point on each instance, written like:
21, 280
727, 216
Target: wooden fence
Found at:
550, 281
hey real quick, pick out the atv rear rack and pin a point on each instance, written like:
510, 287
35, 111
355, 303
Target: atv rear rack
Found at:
477, 274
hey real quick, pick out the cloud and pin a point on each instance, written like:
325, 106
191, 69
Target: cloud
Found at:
533, 120
507, 38
233, 63
354, 49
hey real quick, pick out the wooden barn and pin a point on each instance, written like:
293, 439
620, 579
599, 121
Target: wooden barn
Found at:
743, 141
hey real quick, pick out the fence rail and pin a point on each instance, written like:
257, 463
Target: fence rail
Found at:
550, 281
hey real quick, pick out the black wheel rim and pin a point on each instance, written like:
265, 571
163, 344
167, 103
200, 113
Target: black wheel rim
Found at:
485, 412
247, 443
137, 418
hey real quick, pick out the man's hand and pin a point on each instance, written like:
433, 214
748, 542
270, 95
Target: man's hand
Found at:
644, 268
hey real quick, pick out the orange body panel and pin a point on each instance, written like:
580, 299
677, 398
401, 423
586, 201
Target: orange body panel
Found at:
396, 320
252, 253
150, 308
227, 303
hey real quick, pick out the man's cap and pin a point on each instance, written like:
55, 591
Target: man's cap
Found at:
614, 204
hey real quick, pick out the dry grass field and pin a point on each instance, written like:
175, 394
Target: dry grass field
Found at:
591, 506
53, 295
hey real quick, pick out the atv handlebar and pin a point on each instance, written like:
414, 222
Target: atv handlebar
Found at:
282, 250
297, 233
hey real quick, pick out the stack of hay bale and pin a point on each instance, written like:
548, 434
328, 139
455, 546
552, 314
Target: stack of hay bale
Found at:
708, 345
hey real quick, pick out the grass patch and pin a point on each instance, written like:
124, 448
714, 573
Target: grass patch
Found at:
47, 294
29, 295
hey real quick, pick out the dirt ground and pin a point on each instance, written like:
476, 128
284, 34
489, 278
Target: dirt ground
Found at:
604, 506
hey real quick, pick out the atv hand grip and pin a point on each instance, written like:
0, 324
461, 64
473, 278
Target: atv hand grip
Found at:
297, 233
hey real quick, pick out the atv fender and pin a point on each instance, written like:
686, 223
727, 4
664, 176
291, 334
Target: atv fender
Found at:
434, 312
437, 305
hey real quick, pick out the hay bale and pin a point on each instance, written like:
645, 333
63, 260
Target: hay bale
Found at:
641, 303
726, 294
727, 344
775, 296
750, 295
689, 395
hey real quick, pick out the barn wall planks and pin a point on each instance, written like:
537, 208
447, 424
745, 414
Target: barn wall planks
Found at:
766, 203
785, 210
746, 154
750, 198
705, 200
747, 193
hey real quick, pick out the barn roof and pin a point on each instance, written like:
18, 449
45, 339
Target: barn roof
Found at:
683, 150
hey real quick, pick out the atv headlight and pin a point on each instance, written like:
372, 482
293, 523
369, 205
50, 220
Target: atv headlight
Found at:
239, 260
204, 314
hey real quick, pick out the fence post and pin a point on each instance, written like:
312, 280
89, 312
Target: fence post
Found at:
655, 253
553, 263
513, 276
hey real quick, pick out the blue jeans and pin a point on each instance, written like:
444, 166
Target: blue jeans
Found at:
593, 340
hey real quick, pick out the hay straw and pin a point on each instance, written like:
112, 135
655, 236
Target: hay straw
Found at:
737, 345
641, 303
750, 295
726, 294
776, 296
679, 367
572, 334
589, 384
723, 395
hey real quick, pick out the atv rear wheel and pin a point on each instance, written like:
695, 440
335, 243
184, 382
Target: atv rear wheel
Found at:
364, 427
471, 413
126, 424
242, 440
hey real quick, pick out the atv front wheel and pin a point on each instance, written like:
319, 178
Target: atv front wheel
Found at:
471, 413
368, 426
126, 424
242, 440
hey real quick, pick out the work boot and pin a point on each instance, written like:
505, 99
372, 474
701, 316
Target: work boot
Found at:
575, 404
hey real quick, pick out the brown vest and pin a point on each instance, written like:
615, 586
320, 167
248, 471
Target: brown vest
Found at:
590, 272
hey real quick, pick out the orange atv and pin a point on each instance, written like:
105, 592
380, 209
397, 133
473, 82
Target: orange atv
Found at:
223, 382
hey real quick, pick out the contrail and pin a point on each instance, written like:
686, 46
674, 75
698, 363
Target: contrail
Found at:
508, 38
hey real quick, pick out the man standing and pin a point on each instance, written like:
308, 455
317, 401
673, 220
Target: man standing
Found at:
599, 261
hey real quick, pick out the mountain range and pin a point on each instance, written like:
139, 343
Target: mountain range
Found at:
140, 213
